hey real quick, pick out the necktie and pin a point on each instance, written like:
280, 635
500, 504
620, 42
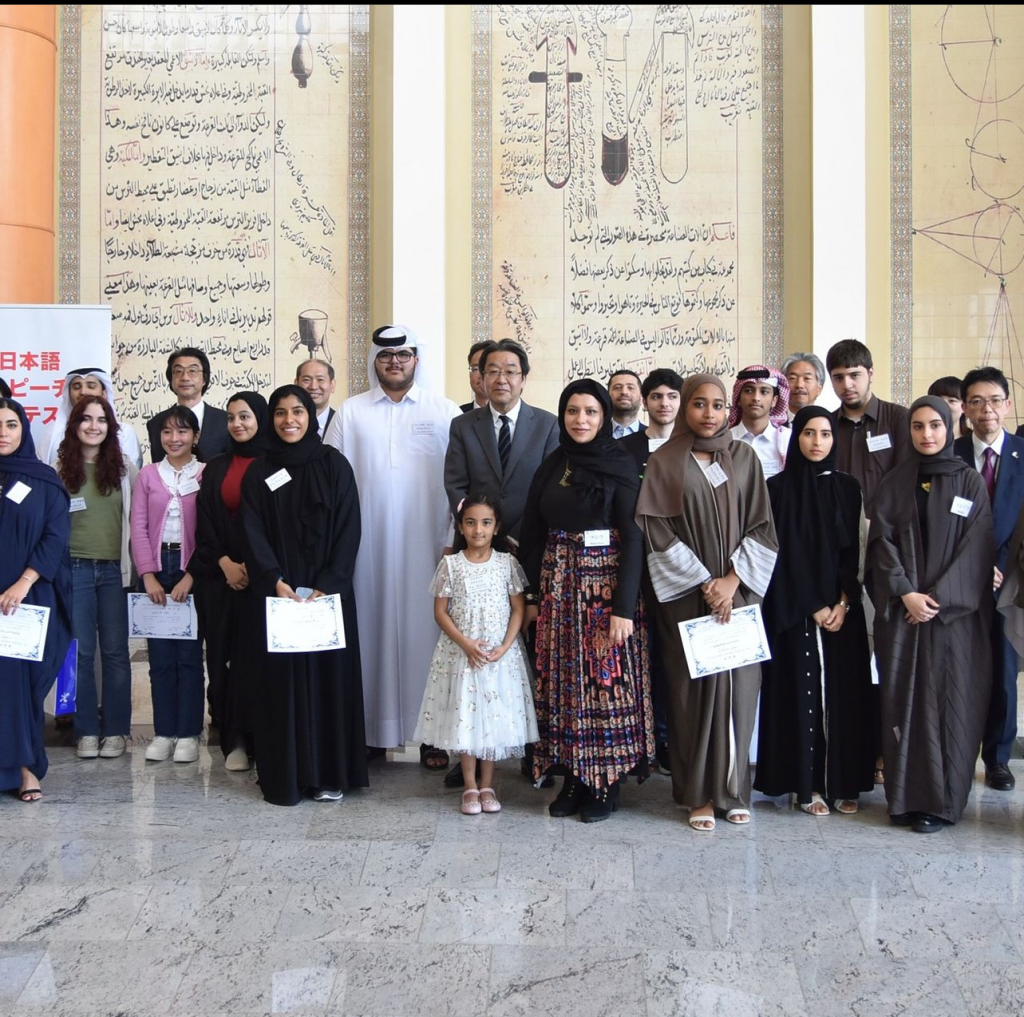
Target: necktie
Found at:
504, 442
988, 473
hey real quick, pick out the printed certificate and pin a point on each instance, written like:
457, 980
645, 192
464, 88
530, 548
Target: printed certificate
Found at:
711, 647
304, 626
151, 621
23, 634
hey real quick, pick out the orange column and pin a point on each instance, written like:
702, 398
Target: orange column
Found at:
28, 110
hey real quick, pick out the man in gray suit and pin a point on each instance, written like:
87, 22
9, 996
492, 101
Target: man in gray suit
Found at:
497, 448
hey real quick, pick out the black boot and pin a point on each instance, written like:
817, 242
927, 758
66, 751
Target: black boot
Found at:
593, 810
569, 798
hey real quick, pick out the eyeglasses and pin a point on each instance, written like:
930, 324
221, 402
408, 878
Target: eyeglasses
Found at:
402, 356
192, 372
978, 403
475, 369
496, 372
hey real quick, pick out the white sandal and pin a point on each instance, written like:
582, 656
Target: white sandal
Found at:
738, 817
816, 799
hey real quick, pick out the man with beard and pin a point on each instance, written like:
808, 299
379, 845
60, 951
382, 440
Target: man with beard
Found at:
624, 388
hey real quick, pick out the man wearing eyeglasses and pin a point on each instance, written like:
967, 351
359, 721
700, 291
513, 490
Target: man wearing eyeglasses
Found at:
188, 374
999, 457
476, 376
395, 437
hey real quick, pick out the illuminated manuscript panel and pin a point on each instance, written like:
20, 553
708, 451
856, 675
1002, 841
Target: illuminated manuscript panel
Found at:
627, 187
220, 153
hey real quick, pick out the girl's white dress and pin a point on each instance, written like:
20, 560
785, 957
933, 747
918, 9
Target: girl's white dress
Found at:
487, 712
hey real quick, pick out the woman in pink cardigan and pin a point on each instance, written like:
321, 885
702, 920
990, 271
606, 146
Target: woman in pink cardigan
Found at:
163, 539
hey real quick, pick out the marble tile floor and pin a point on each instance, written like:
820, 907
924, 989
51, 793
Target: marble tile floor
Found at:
162, 889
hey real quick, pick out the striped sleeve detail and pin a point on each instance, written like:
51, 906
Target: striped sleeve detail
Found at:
675, 571
754, 564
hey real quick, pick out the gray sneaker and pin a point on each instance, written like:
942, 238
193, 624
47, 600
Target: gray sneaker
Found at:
113, 746
88, 747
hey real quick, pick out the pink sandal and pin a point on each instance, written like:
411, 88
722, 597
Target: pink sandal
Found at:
471, 806
490, 804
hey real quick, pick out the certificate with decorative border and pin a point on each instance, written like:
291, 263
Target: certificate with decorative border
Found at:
147, 620
712, 647
23, 633
305, 626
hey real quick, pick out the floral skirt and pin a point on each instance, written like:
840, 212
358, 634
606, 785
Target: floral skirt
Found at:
593, 700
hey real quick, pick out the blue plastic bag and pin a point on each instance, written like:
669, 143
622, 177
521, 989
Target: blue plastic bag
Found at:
67, 682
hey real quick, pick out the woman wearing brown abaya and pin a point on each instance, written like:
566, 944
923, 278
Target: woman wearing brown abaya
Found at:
711, 547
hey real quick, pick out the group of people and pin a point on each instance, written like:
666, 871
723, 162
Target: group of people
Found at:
563, 553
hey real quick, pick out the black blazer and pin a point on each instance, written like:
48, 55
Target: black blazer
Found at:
472, 464
213, 438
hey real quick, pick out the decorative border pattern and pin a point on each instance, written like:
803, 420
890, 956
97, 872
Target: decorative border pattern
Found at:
772, 201
481, 183
359, 196
69, 34
901, 180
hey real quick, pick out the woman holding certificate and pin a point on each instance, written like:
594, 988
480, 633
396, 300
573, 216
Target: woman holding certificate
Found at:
583, 556
228, 611
300, 516
815, 736
931, 553
711, 547
35, 571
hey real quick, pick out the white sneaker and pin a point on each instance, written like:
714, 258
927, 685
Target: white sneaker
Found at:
237, 759
187, 750
88, 747
113, 746
159, 749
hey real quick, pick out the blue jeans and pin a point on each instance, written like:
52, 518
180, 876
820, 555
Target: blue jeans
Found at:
176, 670
99, 605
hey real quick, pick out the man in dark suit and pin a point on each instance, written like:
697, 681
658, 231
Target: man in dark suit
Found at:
476, 378
317, 378
624, 389
188, 374
999, 457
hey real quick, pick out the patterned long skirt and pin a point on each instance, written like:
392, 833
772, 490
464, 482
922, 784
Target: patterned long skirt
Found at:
593, 700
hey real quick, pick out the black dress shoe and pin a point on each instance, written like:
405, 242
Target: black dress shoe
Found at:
999, 777
569, 799
904, 818
453, 778
927, 824
593, 810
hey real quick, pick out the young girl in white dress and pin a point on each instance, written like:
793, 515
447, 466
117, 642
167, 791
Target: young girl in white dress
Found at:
478, 700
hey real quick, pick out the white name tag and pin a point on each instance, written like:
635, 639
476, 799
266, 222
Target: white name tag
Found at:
18, 493
962, 507
423, 427
716, 475
190, 486
279, 479
879, 443
77, 505
597, 538
653, 444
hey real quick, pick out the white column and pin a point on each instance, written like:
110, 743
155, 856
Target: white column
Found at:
419, 161
840, 177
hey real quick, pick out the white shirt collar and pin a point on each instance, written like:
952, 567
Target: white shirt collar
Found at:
512, 414
996, 446
200, 411
321, 420
413, 395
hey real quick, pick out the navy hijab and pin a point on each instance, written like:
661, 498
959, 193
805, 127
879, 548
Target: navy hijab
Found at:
23, 463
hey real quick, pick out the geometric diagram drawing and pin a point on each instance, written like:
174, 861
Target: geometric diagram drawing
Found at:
312, 334
674, 34
302, 55
997, 159
971, 48
992, 239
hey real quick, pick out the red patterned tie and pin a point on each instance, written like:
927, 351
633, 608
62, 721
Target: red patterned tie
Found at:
988, 473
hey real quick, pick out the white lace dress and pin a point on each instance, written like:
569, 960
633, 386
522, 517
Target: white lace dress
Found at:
487, 712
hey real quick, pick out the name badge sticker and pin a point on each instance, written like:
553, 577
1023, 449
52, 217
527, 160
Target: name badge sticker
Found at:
961, 506
716, 475
190, 486
597, 538
424, 427
653, 444
279, 479
879, 442
19, 492
77, 505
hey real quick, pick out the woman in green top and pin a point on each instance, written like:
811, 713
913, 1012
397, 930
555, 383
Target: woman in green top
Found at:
99, 478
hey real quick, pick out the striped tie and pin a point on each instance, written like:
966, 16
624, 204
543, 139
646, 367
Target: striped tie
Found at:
504, 442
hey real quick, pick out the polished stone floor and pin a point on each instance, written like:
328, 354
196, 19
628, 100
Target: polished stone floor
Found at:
138, 889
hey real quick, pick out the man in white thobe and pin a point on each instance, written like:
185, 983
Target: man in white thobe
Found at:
395, 436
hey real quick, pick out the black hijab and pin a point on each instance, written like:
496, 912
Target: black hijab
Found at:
309, 448
600, 465
812, 529
944, 461
23, 461
258, 444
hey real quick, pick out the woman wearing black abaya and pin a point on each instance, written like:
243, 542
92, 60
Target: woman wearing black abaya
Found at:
226, 604
307, 707
815, 728
35, 568
930, 558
